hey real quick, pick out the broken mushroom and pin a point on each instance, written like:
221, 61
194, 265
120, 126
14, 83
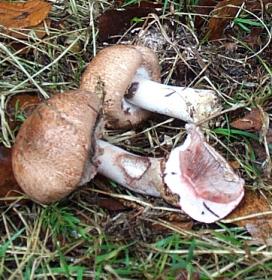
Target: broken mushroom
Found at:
56, 150
206, 186
129, 76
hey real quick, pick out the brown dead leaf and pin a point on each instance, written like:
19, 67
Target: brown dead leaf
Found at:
110, 204
26, 104
40, 30
253, 39
223, 13
24, 15
204, 7
234, 164
114, 22
260, 228
8, 184
21, 15
251, 121
226, 10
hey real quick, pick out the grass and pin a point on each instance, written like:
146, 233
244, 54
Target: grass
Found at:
81, 237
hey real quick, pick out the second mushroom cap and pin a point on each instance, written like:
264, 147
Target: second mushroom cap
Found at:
112, 71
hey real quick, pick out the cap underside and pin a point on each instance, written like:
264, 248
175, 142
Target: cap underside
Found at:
208, 188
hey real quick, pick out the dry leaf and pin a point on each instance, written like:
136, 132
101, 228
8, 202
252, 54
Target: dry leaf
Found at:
110, 203
251, 121
204, 7
8, 184
222, 15
234, 164
21, 15
253, 39
122, 19
260, 228
225, 11
24, 15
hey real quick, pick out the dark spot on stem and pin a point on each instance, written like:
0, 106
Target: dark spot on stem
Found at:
170, 93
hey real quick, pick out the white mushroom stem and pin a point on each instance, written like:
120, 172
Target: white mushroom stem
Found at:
207, 187
139, 174
187, 104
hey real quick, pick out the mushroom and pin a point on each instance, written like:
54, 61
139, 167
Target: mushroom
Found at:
130, 78
57, 150
51, 154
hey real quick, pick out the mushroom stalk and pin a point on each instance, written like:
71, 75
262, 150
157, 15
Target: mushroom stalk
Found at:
187, 104
129, 77
139, 174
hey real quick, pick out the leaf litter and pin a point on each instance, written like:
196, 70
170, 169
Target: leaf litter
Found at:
255, 214
24, 16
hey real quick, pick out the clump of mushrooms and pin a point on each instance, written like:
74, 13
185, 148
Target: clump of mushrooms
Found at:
56, 150
130, 76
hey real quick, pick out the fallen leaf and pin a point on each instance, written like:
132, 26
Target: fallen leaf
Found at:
204, 7
222, 14
20, 15
225, 11
24, 15
234, 164
110, 204
251, 121
260, 228
254, 37
114, 22
8, 184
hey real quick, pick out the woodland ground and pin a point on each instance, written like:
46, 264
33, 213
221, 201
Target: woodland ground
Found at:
103, 231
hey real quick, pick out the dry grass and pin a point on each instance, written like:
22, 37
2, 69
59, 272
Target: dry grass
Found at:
103, 231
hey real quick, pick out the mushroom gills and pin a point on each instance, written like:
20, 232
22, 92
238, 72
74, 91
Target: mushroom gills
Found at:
207, 186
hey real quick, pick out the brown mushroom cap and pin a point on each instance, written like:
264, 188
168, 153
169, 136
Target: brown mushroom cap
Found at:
113, 69
51, 154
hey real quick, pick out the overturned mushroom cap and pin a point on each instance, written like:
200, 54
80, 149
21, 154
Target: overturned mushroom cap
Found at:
52, 149
207, 187
111, 71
